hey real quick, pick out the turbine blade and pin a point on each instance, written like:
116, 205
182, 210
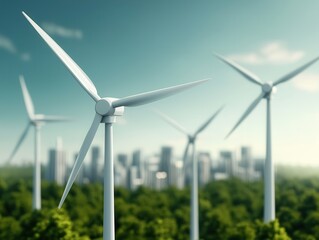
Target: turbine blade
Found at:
186, 152
75, 70
172, 122
247, 112
79, 160
295, 72
20, 141
148, 97
202, 127
48, 118
242, 71
27, 98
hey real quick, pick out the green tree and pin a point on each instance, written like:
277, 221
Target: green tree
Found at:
161, 229
48, 224
9, 228
270, 231
242, 231
130, 228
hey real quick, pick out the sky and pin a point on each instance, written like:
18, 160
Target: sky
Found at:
128, 47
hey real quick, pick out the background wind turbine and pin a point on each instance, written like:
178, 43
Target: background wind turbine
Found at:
37, 121
106, 111
191, 139
267, 89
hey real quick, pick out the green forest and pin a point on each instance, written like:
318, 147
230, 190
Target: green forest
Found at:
229, 210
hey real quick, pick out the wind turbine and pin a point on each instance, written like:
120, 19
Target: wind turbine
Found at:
191, 140
267, 89
106, 111
37, 121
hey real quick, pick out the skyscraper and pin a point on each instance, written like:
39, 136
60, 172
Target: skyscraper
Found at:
137, 162
56, 171
166, 162
95, 164
123, 160
204, 168
228, 163
177, 175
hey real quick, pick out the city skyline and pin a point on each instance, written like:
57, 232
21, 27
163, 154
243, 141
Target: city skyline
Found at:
157, 45
158, 171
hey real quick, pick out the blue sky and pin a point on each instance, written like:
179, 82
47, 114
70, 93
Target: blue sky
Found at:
127, 47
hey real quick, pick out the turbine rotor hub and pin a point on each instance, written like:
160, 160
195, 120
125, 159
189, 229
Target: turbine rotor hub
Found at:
191, 139
267, 87
103, 107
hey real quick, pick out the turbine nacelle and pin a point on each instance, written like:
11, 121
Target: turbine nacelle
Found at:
191, 139
104, 107
268, 89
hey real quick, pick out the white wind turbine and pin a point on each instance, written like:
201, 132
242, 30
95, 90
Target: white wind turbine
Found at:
37, 121
106, 111
191, 140
267, 89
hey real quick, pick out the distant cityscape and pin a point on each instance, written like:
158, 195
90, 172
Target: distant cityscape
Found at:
158, 171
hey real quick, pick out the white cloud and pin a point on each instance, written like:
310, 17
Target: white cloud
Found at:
55, 29
271, 53
25, 57
307, 82
7, 44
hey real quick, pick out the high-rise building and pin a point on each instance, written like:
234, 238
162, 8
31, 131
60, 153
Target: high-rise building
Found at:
133, 180
177, 175
161, 180
204, 168
246, 158
166, 161
228, 163
56, 171
120, 175
151, 167
137, 162
123, 160
95, 176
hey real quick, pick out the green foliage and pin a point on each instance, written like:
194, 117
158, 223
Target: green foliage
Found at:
243, 230
9, 228
228, 210
48, 224
270, 231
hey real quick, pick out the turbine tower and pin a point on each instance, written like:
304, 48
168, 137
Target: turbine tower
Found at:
107, 109
37, 121
191, 140
267, 89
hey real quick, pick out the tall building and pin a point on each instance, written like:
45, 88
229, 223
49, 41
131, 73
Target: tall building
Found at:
133, 180
177, 175
83, 175
57, 168
137, 162
95, 154
123, 160
151, 167
246, 158
228, 163
204, 168
161, 180
166, 161
120, 175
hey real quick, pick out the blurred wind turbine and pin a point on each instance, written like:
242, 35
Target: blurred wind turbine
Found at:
106, 111
37, 121
267, 89
191, 140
